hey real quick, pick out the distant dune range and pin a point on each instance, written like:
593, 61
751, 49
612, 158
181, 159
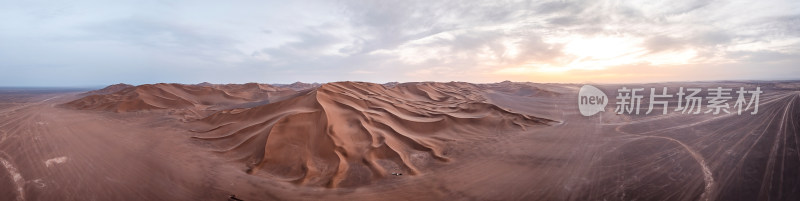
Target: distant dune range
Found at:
336, 134
192, 101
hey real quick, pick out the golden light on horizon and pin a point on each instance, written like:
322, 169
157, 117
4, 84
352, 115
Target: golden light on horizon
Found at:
598, 55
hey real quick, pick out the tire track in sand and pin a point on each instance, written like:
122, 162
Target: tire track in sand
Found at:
15, 175
708, 177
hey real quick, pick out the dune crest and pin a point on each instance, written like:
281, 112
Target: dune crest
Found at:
352, 133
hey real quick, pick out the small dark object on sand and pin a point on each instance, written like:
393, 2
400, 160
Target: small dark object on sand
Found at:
233, 198
396, 174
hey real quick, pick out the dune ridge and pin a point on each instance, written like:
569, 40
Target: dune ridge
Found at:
299, 86
353, 133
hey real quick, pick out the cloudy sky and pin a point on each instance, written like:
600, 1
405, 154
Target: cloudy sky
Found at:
91, 43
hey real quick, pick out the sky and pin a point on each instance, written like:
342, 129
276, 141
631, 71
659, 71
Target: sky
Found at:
91, 43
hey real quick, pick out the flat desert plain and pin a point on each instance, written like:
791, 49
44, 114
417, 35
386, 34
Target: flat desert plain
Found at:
393, 141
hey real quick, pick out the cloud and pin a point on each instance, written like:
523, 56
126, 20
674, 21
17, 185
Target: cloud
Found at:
661, 43
314, 40
161, 35
361, 72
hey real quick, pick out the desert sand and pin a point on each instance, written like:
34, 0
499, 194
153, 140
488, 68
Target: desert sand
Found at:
393, 141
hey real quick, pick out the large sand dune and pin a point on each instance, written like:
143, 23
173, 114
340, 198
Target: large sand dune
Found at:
350, 133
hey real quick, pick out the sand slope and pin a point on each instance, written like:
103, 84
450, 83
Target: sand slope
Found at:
351, 133
253, 91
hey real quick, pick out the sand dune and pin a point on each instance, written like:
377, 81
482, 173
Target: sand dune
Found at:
299, 86
109, 89
189, 100
253, 91
351, 133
